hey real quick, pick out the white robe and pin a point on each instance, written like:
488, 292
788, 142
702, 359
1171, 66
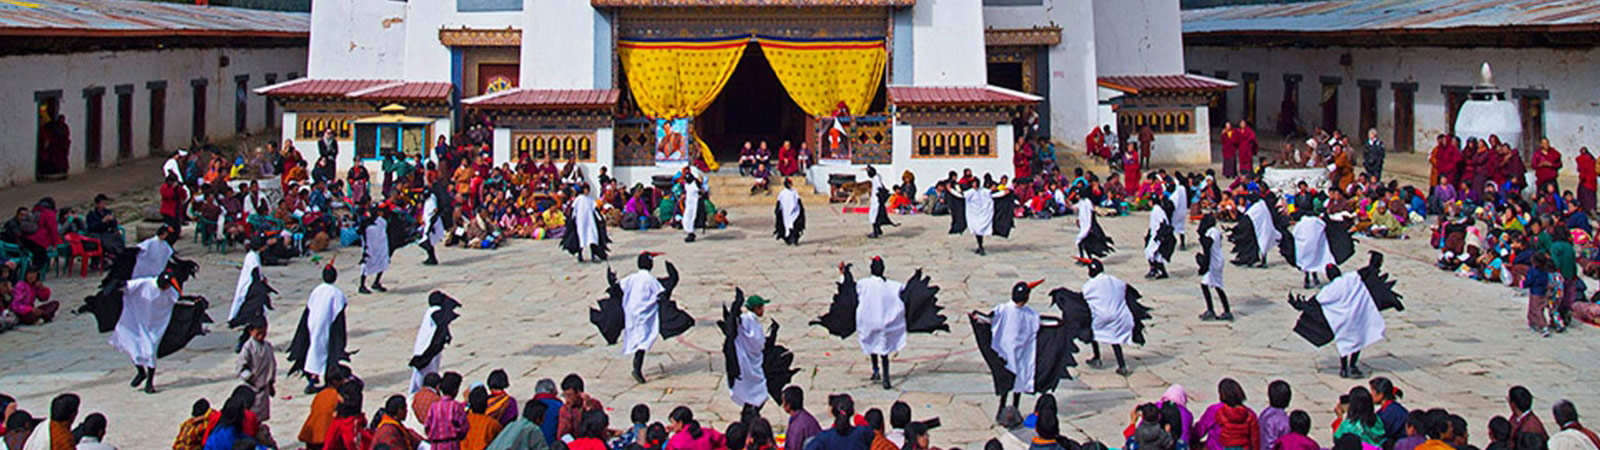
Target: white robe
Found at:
1267, 234
375, 248
691, 205
1180, 210
146, 311
252, 261
1085, 219
1107, 298
152, 260
324, 305
1152, 248
1351, 313
872, 199
1311, 252
1015, 338
432, 225
1213, 276
583, 221
980, 211
880, 316
424, 338
789, 205
751, 387
640, 292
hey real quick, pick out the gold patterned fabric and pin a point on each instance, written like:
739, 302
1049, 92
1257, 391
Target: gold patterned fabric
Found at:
677, 79
819, 74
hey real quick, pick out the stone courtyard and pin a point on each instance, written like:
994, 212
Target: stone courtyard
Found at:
1458, 345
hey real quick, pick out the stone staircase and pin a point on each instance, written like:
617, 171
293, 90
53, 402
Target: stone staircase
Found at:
731, 190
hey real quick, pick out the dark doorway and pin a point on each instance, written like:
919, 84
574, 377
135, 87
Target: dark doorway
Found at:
271, 116
752, 107
158, 115
198, 114
124, 121
1405, 98
1219, 103
1532, 107
1369, 106
1454, 97
1007, 75
241, 104
1330, 106
53, 138
93, 124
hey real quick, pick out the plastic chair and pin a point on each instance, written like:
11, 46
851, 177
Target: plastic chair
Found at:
15, 253
87, 249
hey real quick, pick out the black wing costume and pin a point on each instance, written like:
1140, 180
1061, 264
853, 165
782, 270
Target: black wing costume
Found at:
610, 319
776, 361
441, 328
921, 302
1052, 353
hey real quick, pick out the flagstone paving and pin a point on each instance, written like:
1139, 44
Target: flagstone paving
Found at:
1458, 345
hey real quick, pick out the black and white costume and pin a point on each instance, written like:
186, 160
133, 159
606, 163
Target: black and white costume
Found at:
1347, 312
694, 218
882, 312
374, 251
1159, 242
1092, 241
1257, 232
639, 309
1211, 264
985, 212
435, 219
252, 296
149, 318
757, 367
1107, 311
319, 340
432, 335
1315, 245
1026, 353
878, 209
789, 215
586, 228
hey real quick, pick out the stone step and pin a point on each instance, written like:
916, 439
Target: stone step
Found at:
734, 190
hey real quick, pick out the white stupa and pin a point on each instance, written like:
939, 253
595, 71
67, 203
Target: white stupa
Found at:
1488, 113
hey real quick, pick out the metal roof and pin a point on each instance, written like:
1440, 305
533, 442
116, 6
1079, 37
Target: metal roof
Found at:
958, 95
785, 3
1134, 84
546, 98
1394, 15
130, 18
406, 90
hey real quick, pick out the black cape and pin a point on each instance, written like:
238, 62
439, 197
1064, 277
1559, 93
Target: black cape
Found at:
257, 300
1079, 319
921, 305
106, 302
1096, 244
958, 211
188, 320
609, 318
402, 231
776, 361
1203, 257
777, 222
570, 242
1340, 244
337, 339
1004, 219
1052, 353
441, 331
1313, 324
1167, 241
882, 197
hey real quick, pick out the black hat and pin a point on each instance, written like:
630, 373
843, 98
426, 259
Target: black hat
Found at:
647, 259
876, 266
1096, 267
442, 300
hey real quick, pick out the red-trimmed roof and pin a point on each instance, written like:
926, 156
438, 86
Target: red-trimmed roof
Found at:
1134, 84
309, 87
406, 90
129, 18
957, 95
548, 98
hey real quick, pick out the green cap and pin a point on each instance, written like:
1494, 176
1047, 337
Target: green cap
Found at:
756, 300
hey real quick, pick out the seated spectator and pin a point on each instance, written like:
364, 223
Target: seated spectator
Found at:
31, 300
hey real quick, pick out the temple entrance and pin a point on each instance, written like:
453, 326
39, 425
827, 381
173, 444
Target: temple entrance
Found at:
752, 107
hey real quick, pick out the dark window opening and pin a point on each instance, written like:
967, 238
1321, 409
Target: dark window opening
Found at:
125, 123
158, 118
198, 115
93, 125
241, 104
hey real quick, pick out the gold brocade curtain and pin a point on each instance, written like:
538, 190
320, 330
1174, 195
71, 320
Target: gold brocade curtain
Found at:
679, 78
818, 74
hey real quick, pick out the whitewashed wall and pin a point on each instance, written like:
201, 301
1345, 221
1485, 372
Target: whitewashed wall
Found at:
1185, 148
1572, 112
427, 59
1072, 62
948, 43
359, 39
1138, 37
71, 73
558, 45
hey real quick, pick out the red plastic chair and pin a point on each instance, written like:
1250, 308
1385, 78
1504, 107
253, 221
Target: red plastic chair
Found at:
87, 249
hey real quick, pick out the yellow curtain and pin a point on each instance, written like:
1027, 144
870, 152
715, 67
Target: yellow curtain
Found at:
676, 79
818, 74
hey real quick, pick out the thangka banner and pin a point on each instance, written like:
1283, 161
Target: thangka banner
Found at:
821, 73
679, 78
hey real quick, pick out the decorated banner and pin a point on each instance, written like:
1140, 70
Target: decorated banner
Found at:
819, 74
679, 78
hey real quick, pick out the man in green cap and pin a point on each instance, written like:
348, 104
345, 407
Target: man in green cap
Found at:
749, 385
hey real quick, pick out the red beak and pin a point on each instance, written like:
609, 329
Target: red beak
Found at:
1034, 284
